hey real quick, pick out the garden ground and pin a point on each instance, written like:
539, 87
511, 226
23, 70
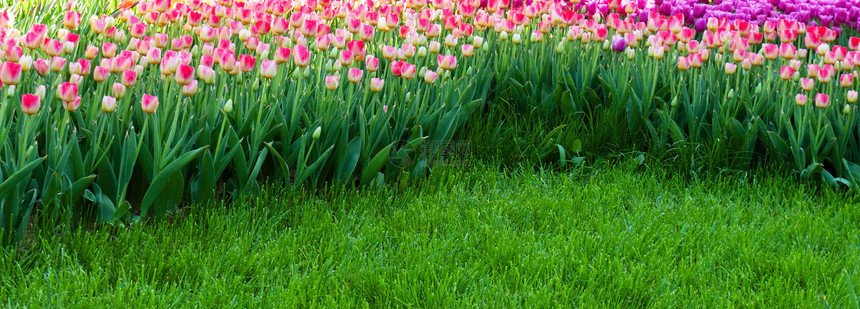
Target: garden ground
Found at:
616, 235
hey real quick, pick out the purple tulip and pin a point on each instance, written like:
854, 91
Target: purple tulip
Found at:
618, 43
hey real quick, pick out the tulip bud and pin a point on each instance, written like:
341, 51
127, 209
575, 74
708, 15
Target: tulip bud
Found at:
674, 102
228, 107
631, 53
317, 133
847, 109
10, 91
516, 38
758, 89
40, 91
731, 94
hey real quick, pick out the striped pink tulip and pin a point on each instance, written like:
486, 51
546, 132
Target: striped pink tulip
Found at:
68, 92
301, 56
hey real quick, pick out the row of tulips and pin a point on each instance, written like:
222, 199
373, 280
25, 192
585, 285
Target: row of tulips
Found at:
119, 117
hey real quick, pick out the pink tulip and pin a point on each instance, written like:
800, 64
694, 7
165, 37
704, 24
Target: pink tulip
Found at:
42, 66
354, 75
731, 68
149, 104
52, 47
108, 104
190, 89
10, 73
184, 75
846, 80
68, 92
822, 100
73, 105
72, 20
366, 33
32, 40
137, 30
14, 53
109, 50
282, 55
118, 90
301, 56
407, 70
129, 78
468, 50
268, 68
389, 52
447, 62
30, 104
800, 99
58, 64
331, 82
371, 64
786, 72
247, 63
376, 84
771, 51
852, 96
206, 74
683, 63
430, 76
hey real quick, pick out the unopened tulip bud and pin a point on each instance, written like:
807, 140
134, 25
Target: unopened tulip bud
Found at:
228, 107
40, 91
317, 133
516, 38
731, 94
847, 109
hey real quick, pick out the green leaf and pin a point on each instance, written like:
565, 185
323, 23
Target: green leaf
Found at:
161, 180
376, 164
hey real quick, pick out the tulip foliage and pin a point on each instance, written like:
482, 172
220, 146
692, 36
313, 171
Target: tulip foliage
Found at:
120, 115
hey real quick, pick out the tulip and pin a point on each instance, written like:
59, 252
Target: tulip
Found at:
228, 107
301, 56
468, 50
822, 100
268, 68
430, 77
282, 55
129, 78
408, 70
30, 104
77, 79
371, 64
731, 68
846, 80
148, 104
108, 104
14, 53
68, 92
42, 67
118, 90
73, 105
747, 64
26, 63
852, 96
619, 44
184, 75
57, 64
10, 73
800, 99
447, 62
190, 89
72, 19
354, 75
331, 82
786, 72
376, 84
771, 51
683, 63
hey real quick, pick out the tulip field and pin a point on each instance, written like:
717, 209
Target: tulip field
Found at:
114, 112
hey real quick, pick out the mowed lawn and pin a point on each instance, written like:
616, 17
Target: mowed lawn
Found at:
477, 236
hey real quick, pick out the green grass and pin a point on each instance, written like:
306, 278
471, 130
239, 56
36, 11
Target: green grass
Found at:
611, 236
